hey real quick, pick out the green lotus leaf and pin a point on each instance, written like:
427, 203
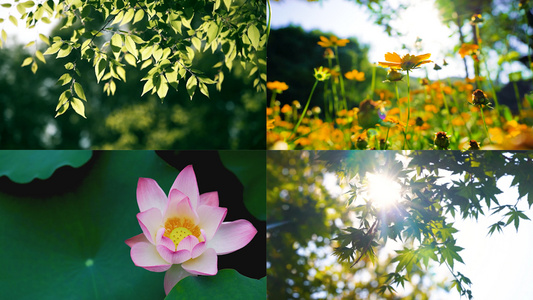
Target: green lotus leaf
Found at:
227, 284
23, 166
249, 167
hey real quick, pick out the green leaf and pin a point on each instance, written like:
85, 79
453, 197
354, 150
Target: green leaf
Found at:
99, 69
44, 38
27, 61
54, 48
64, 79
191, 85
139, 15
162, 90
212, 32
40, 56
34, 67
28, 4
227, 284
253, 34
227, 3
116, 43
78, 106
130, 59
128, 16
23, 166
248, 166
79, 91
203, 89
148, 86
13, 20
61, 109
131, 47
121, 72
64, 51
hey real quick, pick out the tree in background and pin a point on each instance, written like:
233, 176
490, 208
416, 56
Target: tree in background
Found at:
285, 66
161, 38
302, 220
305, 221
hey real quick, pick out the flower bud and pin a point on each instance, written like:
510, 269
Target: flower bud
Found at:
442, 141
479, 98
394, 75
473, 145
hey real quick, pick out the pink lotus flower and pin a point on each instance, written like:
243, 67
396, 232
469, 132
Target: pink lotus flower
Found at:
184, 233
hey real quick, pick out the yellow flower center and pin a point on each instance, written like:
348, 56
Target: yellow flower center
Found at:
177, 229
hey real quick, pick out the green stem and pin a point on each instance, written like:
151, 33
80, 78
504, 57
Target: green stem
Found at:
517, 95
408, 102
398, 101
373, 86
305, 109
340, 78
483, 118
398, 98
273, 99
387, 138
269, 18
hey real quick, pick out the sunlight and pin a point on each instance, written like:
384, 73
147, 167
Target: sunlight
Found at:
383, 190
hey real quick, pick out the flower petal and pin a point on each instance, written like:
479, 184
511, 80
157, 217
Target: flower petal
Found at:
205, 264
150, 221
232, 236
210, 199
145, 255
186, 183
140, 238
180, 207
183, 252
423, 56
393, 57
210, 219
149, 195
389, 64
173, 276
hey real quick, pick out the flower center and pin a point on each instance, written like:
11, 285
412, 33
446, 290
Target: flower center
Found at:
177, 229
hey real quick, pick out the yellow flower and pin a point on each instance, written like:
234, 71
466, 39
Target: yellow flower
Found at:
321, 74
333, 41
355, 75
468, 49
407, 62
328, 54
277, 86
286, 109
270, 124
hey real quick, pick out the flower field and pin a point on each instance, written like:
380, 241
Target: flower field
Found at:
413, 112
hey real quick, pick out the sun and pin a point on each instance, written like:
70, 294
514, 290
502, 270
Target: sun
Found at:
382, 190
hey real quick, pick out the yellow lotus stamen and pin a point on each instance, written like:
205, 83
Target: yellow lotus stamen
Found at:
177, 229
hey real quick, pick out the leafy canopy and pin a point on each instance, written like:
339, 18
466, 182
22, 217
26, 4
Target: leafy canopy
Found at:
430, 202
160, 37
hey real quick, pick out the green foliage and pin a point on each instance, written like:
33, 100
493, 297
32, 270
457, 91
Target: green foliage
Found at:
233, 119
160, 37
249, 168
23, 166
303, 218
227, 284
